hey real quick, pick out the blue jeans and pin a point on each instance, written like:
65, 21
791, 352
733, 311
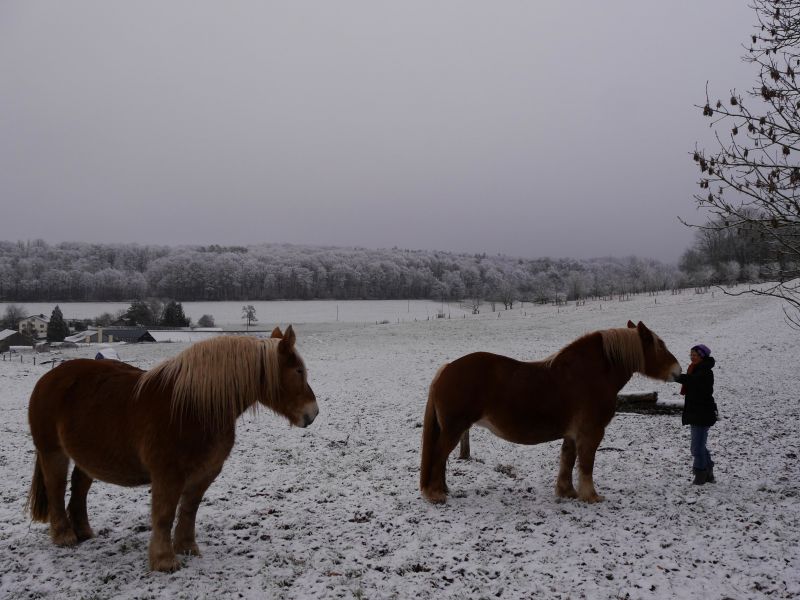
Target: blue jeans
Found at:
702, 457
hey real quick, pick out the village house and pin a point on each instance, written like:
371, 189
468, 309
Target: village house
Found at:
9, 337
34, 326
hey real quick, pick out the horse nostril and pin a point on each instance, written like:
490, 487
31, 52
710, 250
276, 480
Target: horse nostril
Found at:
307, 420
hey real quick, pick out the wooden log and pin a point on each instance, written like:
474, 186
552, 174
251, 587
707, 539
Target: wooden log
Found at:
645, 403
636, 399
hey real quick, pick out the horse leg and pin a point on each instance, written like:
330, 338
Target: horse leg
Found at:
564, 487
165, 495
587, 443
79, 488
55, 465
436, 490
187, 512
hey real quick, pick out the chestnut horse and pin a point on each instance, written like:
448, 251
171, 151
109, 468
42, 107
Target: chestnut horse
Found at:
570, 395
172, 427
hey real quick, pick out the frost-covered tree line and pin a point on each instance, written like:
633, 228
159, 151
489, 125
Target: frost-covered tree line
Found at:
725, 255
37, 271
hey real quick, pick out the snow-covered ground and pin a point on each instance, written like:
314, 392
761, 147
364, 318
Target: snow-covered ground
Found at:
229, 314
333, 511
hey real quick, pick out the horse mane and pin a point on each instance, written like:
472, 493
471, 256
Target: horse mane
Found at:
623, 347
216, 380
620, 346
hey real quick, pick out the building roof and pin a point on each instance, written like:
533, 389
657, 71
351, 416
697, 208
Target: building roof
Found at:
80, 336
173, 335
7, 333
127, 334
40, 317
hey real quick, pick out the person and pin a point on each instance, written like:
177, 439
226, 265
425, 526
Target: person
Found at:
699, 409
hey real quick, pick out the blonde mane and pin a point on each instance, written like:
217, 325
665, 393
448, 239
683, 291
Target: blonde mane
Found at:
621, 347
216, 380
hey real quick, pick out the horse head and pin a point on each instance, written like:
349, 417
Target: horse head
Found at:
298, 402
659, 363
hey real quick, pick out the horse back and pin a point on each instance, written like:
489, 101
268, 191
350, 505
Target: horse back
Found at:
82, 386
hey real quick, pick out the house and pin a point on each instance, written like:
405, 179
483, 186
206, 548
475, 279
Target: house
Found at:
106, 335
132, 335
9, 337
34, 326
184, 335
82, 337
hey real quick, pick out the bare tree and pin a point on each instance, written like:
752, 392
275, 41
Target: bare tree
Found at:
13, 315
750, 183
249, 315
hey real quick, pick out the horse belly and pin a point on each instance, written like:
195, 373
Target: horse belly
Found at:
112, 464
105, 451
519, 433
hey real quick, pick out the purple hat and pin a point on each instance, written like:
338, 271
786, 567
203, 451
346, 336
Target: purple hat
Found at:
702, 350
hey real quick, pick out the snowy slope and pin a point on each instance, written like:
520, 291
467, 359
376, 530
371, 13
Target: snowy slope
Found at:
334, 512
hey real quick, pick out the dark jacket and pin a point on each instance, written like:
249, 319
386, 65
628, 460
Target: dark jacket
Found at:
699, 407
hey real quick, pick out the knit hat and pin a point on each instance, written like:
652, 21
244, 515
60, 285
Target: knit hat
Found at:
703, 350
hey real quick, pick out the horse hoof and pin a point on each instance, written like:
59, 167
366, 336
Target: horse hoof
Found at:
567, 493
165, 564
435, 497
592, 498
190, 549
84, 534
65, 538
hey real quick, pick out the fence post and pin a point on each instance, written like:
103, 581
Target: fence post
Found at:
464, 453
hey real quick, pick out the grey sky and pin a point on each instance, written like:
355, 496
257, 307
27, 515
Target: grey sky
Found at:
527, 128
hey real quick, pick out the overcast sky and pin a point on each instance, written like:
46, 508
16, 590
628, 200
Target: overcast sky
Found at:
527, 128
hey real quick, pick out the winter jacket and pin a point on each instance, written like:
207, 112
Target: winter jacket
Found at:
699, 407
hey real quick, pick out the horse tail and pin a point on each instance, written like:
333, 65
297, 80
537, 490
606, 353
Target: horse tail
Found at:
37, 497
430, 435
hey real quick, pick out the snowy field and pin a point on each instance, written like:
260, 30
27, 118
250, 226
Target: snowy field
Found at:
334, 511
229, 314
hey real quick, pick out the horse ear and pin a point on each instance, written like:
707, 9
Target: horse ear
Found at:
631, 325
276, 333
644, 332
287, 342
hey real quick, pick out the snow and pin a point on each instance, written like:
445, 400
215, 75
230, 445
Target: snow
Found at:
181, 336
107, 352
80, 336
333, 511
282, 311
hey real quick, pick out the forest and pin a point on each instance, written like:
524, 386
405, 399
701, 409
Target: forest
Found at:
73, 271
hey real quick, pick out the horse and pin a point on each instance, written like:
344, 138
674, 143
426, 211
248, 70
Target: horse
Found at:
171, 427
570, 395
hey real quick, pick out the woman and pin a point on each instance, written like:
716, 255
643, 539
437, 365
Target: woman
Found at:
699, 409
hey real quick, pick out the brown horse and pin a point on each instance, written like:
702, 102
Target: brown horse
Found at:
172, 427
570, 395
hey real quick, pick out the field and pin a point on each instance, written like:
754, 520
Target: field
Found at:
333, 511
229, 314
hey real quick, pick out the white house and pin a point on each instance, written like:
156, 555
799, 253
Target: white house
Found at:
34, 326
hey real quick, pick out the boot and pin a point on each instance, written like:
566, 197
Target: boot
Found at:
700, 476
710, 474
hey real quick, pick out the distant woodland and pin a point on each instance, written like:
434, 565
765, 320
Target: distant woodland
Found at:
73, 271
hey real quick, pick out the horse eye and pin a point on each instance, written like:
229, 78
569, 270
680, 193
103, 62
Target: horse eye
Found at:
300, 370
